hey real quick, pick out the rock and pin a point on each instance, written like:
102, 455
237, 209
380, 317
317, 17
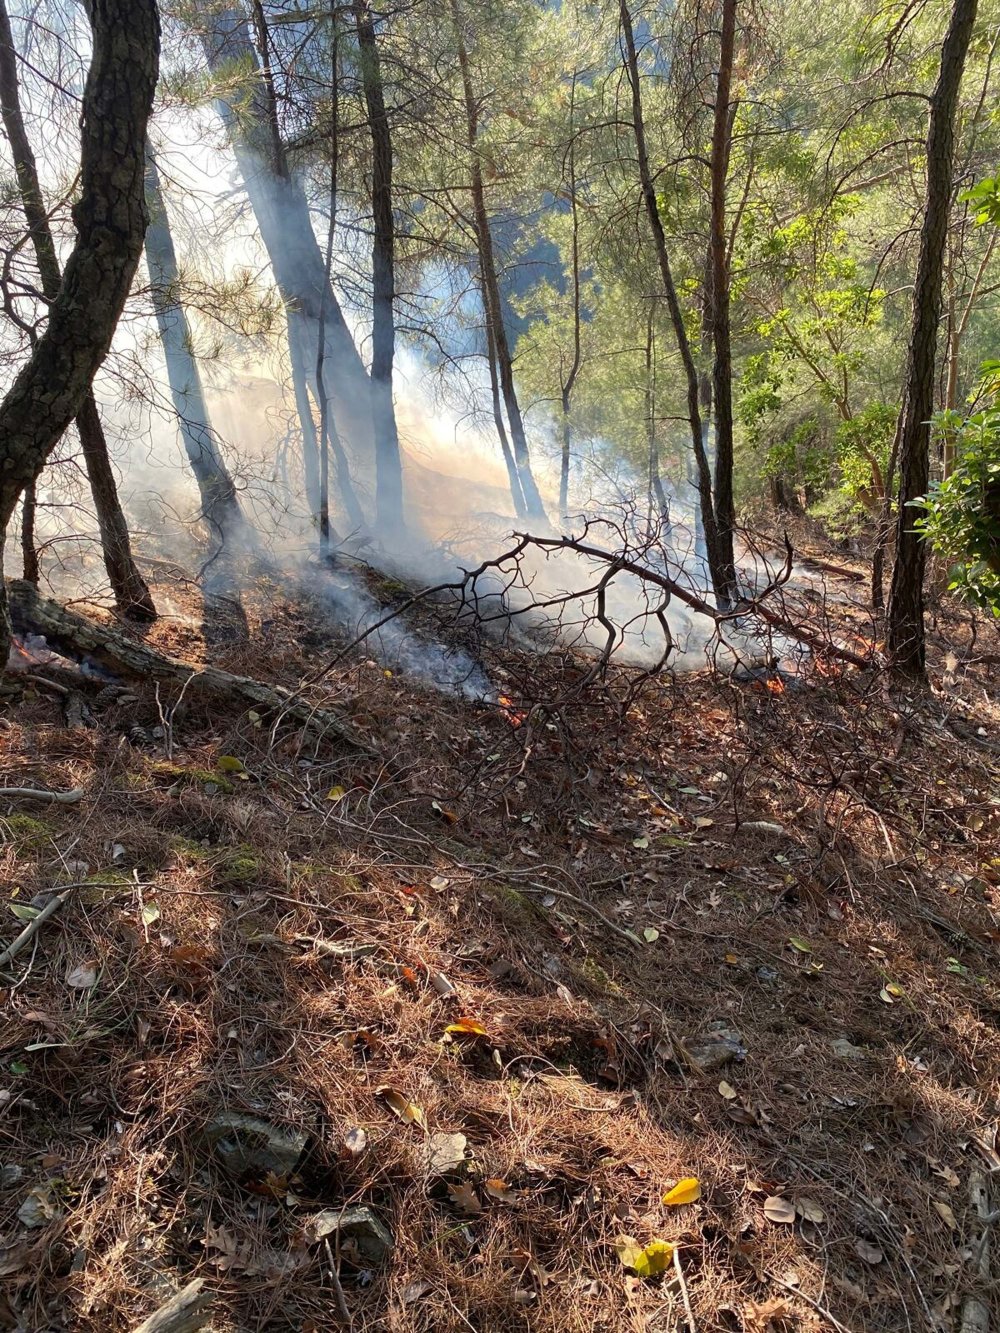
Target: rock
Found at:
444, 1154
716, 1047
846, 1049
363, 1240
10, 1175
249, 1146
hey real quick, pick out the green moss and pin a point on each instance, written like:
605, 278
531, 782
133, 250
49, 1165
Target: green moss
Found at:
25, 831
189, 849
515, 906
193, 777
241, 865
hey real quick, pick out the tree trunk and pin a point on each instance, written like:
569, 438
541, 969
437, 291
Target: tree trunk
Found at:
905, 619
388, 468
493, 304
716, 560
220, 505
282, 212
657, 496
513, 479
722, 369
574, 370
110, 217
132, 596
29, 551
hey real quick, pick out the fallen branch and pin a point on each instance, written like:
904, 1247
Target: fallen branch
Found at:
33, 927
39, 794
66, 631
975, 1315
186, 1312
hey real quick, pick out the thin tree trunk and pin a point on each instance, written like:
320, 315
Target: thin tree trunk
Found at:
132, 595
388, 466
29, 551
493, 303
716, 561
657, 496
905, 620
219, 503
110, 217
513, 479
282, 212
574, 370
722, 370
304, 411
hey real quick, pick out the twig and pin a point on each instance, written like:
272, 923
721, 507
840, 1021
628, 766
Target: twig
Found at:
38, 794
589, 907
688, 1312
342, 1306
33, 927
820, 1309
185, 1312
46, 683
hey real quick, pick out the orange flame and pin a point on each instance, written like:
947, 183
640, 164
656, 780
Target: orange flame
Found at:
775, 685
513, 716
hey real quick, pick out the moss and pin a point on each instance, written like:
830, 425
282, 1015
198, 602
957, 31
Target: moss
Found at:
241, 865
25, 831
189, 849
193, 777
515, 906
595, 975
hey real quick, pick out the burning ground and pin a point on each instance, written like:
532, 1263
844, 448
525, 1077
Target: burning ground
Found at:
422, 1039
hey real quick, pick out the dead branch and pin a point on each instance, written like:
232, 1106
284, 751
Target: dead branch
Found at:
39, 794
186, 1312
33, 927
69, 632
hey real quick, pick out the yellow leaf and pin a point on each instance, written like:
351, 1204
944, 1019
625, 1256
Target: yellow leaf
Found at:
731, 959
647, 1260
467, 1027
336, 794
650, 934
703, 822
727, 1090
944, 1211
797, 942
685, 1191
228, 763
403, 1107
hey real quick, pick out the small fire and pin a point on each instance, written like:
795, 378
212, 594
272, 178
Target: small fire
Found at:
512, 714
775, 684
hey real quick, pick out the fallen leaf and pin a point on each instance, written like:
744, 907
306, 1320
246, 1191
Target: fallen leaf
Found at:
650, 934
467, 1027
150, 914
647, 1260
414, 1290
731, 959
884, 996
810, 1210
728, 1091
499, 1190
640, 843
336, 794
798, 943
13, 1258
40, 1206
778, 1209
465, 1198
687, 1190
438, 883
83, 976
228, 763
23, 912
944, 1211
403, 1107
703, 822
870, 1253
442, 985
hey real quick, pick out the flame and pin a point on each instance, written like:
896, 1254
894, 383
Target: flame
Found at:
775, 685
513, 716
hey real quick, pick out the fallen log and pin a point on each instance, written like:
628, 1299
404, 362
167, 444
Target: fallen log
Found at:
78, 637
186, 1312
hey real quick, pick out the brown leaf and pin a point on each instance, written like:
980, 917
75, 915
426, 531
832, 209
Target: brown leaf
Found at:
810, 1210
868, 1251
947, 1216
779, 1209
403, 1107
465, 1199
500, 1190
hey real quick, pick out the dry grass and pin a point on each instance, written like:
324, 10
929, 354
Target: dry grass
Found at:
501, 870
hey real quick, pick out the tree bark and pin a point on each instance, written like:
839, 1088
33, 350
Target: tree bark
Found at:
388, 468
905, 617
492, 303
657, 496
110, 218
282, 212
132, 595
513, 479
570, 381
722, 368
220, 505
716, 559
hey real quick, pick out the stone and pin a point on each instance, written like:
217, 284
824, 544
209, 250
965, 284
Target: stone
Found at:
246, 1145
716, 1047
361, 1237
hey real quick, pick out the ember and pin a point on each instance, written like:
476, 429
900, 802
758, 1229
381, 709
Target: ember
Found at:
512, 714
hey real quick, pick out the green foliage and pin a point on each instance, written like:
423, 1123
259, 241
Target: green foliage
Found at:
985, 197
862, 449
961, 514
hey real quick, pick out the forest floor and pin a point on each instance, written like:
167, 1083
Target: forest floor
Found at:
505, 991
